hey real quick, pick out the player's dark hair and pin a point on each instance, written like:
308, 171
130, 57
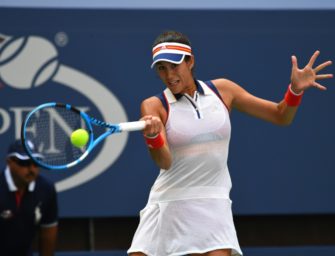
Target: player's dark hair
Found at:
172, 36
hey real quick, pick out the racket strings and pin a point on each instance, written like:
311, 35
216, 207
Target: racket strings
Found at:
50, 129
112, 127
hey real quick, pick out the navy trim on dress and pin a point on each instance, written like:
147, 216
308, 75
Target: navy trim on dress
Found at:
209, 83
216, 91
163, 100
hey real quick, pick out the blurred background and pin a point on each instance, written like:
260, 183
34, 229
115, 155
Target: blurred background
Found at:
283, 178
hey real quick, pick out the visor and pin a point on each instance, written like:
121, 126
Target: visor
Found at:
170, 52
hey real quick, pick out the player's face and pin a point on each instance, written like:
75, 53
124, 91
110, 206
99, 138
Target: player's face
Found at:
177, 77
23, 171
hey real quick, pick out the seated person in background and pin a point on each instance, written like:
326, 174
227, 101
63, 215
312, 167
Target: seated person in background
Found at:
28, 203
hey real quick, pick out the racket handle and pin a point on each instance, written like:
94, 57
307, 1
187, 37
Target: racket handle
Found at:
132, 126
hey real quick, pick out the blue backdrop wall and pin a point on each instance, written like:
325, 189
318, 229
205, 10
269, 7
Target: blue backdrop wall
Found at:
100, 60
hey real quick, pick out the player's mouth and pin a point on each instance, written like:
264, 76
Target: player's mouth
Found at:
173, 83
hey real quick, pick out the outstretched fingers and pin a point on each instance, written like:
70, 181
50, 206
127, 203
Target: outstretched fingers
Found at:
323, 76
320, 77
322, 66
313, 59
307, 77
319, 86
294, 62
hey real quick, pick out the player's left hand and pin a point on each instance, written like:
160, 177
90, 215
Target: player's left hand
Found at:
302, 79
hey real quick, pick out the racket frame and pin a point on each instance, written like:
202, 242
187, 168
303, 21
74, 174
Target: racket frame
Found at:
112, 128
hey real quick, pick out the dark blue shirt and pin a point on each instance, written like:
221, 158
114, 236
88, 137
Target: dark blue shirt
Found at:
18, 225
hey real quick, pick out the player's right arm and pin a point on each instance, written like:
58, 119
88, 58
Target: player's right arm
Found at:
153, 112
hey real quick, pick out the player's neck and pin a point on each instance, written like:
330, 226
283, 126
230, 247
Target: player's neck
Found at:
190, 89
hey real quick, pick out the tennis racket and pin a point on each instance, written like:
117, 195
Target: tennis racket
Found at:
47, 129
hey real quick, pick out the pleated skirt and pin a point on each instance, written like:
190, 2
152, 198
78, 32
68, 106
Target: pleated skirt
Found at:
183, 227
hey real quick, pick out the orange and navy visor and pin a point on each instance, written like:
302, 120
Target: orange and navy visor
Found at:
170, 52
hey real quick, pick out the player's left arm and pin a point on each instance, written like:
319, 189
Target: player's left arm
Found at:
280, 113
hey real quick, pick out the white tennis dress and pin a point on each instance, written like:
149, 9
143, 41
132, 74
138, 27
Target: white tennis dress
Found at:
189, 210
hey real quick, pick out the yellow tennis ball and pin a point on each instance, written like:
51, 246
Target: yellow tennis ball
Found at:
79, 138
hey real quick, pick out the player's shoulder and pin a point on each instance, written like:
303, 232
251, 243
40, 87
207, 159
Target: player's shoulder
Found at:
155, 105
223, 82
225, 85
153, 102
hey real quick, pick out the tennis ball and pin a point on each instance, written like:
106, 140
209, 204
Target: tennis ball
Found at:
79, 138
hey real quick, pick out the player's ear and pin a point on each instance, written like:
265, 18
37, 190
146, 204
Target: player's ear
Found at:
191, 62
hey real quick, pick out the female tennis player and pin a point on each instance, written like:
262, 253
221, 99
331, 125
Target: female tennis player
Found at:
187, 133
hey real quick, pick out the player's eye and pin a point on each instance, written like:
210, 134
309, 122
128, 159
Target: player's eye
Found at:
160, 68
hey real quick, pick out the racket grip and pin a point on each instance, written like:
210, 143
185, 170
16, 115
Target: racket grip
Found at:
132, 126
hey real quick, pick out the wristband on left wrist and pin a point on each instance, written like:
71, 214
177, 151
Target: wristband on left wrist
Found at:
291, 98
